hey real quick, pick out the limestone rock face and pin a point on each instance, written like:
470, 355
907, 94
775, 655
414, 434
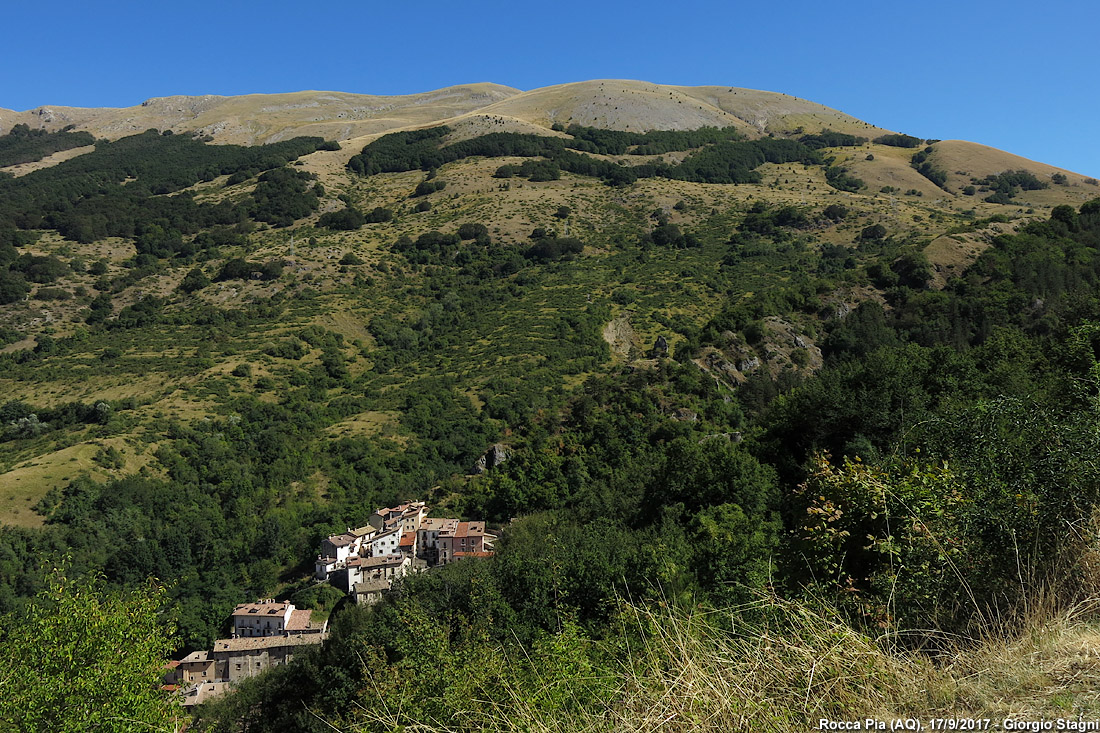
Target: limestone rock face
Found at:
660, 348
497, 454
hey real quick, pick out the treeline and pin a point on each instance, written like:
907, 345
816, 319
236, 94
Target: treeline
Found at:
722, 157
653, 142
118, 189
899, 141
922, 164
24, 145
831, 139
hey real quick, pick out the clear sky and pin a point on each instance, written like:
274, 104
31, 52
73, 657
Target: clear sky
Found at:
1014, 75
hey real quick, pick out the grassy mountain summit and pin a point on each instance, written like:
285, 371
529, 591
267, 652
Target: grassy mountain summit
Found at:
716, 329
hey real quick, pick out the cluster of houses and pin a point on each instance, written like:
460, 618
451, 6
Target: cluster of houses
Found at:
362, 562
365, 561
265, 634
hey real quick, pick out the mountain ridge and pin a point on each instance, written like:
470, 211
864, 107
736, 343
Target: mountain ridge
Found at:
474, 109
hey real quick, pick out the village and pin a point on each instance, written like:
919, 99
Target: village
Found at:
362, 562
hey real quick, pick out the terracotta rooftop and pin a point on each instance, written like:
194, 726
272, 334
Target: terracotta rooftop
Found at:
437, 524
299, 620
261, 609
381, 561
341, 540
467, 529
372, 586
407, 540
266, 642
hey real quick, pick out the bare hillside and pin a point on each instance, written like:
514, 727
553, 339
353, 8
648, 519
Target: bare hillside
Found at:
264, 118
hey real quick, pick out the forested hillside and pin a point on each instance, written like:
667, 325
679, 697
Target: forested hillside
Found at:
729, 372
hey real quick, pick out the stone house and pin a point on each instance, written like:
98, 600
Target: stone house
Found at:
383, 543
463, 539
370, 591
362, 569
406, 517
341, 546
195, 668
236, 659
427, 536
268, 618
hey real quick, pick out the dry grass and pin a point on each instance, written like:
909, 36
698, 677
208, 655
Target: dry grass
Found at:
27, 482
23, 169
701, 670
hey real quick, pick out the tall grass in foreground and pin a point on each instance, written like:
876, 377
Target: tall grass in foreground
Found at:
775, 665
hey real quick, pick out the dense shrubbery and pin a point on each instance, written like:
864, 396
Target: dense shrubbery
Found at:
721, 159
346, 219
378, 215
24, 145
83, 200
830, 139
241, 269
840, 179
899, 141
1006, 185
425, 188
553, 248
926, 168
283, 195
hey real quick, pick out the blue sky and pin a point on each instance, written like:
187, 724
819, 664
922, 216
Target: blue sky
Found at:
1021, 77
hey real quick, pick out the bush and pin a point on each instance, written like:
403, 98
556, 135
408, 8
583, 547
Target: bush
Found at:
347, 219
52, 294
40, 269
472, 231
428, 187
874, 232
899, 141
13, 287
549, 249
192, 281
236, 269
378, 215
841, 180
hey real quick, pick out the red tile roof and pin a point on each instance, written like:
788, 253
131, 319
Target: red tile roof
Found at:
299, 620
261, 609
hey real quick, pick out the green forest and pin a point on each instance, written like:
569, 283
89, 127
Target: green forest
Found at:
935, 471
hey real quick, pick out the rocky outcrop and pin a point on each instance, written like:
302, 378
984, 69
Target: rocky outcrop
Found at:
497, 454
660, 348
